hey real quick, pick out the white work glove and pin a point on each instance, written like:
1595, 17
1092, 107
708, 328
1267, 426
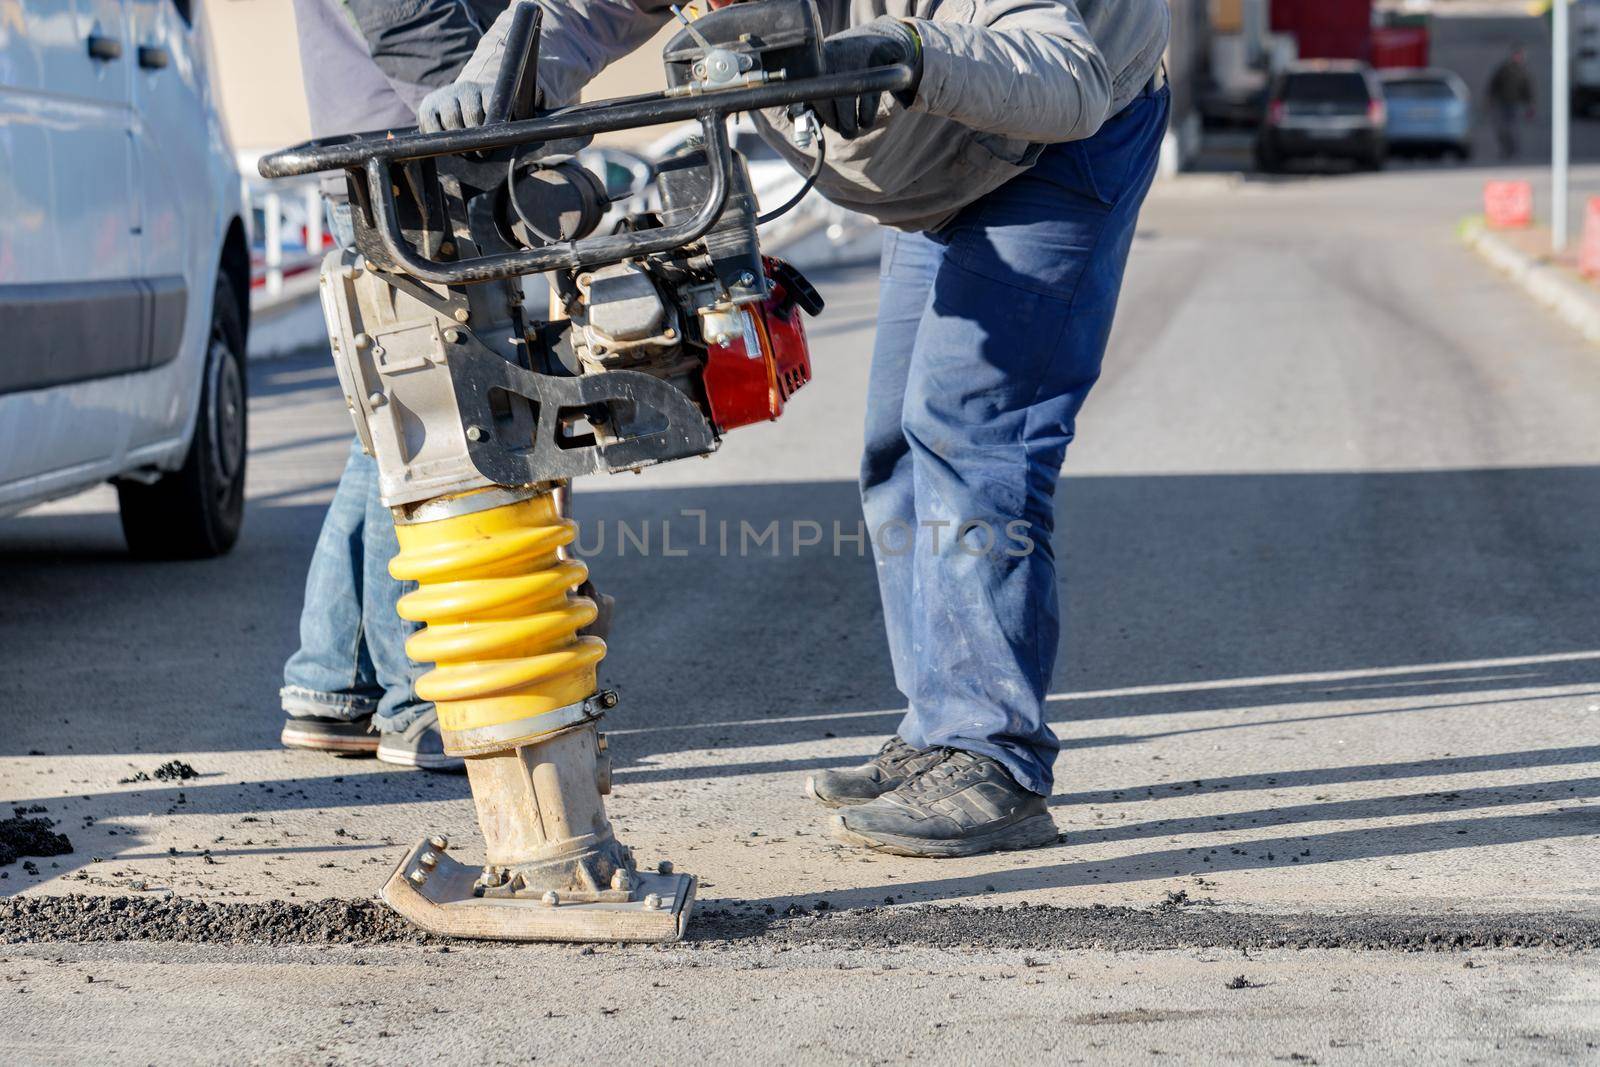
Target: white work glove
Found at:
455, 106
465, 101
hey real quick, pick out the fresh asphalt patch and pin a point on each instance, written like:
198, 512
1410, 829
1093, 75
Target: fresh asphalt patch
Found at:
1019, 927
1028, 926
275, 922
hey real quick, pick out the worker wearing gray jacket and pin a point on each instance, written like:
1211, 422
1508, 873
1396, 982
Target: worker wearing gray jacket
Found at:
1012, 175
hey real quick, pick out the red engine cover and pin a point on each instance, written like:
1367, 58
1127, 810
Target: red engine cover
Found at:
751, 377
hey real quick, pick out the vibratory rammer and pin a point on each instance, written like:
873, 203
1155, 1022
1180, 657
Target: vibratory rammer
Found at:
663, 335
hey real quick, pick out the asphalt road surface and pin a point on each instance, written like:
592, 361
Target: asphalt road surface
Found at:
1331, 679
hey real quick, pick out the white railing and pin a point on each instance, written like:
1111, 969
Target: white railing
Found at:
278, 254
287, 239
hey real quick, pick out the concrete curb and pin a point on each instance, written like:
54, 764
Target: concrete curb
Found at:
1574, 302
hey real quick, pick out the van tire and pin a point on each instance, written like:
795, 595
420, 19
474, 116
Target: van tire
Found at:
196, 511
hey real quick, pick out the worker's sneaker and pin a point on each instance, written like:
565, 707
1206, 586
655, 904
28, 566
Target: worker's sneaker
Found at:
961, 805
344, 736
895, 762
419, 745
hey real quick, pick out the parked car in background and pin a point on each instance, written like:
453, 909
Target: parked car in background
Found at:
1429, 111
1585, 69
124, 271
1323, 109
1231, 107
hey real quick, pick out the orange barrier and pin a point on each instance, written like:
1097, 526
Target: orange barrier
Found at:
1508, 205
1589, 250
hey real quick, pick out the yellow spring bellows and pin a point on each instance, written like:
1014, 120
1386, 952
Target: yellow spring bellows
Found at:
501, 621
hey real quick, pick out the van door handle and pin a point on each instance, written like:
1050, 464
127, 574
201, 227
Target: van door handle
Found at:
104, 49
152, 56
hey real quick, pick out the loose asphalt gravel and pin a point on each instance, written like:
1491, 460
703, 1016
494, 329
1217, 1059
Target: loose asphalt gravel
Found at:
1174, 925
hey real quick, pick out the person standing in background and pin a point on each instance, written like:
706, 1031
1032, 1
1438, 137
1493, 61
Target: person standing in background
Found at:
1511, 100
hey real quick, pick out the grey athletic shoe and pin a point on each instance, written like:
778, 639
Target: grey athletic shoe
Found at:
962, 805
345, 737
419, 745
894, 763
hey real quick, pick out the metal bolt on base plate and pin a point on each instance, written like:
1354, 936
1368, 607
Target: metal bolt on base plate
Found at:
444, 902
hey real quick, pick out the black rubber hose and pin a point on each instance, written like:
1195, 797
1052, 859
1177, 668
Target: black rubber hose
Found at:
811, 179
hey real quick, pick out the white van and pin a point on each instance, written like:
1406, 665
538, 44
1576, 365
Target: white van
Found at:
124, 271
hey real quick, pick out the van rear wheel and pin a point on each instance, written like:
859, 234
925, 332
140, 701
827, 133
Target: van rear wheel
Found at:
195, 512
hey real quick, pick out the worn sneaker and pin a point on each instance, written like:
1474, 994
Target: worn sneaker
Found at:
342, 736
894, 763
961, 805
419, 745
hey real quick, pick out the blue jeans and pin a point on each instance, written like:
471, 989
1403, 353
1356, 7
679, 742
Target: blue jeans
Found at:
352, 658
990, 334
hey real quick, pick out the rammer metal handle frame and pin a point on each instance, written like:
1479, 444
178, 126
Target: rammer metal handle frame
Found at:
372, 156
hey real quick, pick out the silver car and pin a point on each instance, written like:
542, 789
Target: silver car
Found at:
1430, 113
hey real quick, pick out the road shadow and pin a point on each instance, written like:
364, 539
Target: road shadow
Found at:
107, 827
1180, 588
258, 802
307, 370
1174, 585
1186, 594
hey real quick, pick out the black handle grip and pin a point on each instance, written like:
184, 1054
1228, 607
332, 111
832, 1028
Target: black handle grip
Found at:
153, 57
104, 49
516, 86
375, 153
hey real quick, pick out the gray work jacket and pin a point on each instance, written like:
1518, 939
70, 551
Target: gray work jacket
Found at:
367, 64
1000, 79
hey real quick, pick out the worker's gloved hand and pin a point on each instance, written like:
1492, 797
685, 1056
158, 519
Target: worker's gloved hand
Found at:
456, 106
878, 43
465, 101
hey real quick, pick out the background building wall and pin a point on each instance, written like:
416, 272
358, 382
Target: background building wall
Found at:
257, 72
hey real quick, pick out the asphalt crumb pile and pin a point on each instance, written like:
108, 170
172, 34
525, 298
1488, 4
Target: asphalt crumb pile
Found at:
174, 770
23, 835
86, 918
1020, 927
